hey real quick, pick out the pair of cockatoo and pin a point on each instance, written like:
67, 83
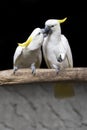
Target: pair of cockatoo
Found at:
56, 49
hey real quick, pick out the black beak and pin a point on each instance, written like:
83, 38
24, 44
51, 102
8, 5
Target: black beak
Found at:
46, 31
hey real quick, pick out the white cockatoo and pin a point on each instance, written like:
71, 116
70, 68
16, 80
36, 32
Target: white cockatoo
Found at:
56, 49
57, 54
28, 54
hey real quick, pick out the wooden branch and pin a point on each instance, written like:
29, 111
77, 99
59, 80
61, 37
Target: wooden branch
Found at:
24, 76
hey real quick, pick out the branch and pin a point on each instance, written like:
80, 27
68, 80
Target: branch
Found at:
24, 76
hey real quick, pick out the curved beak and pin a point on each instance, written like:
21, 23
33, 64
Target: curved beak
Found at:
46, 31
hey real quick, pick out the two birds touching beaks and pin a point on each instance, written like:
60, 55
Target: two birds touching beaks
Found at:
55, 48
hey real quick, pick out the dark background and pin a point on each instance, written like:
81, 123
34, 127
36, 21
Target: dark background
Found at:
19, 18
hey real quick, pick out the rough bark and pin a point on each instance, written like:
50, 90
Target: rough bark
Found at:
24, 76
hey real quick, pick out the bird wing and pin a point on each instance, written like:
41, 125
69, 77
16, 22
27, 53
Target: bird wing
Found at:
39, 59
17, 53
68, 50
44, 49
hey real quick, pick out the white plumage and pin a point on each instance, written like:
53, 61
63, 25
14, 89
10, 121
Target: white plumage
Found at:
28, 54
56, 49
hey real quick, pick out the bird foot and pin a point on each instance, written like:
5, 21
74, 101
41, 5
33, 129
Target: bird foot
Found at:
33, 69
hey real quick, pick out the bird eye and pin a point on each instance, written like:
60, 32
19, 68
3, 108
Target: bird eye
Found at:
52, 26
39, 33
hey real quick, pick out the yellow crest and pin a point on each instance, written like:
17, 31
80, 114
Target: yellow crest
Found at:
25, 44
62, 20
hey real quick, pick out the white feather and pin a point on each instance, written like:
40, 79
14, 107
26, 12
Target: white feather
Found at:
56, 44
24, 57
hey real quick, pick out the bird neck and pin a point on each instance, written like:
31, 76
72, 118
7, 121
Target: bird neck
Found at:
56, 36
34, 46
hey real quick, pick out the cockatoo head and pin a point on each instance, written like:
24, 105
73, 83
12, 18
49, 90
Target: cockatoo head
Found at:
53, 25
37, 35
35, 38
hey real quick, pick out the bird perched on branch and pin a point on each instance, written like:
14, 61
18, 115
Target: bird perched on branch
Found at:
28, 54
56, 49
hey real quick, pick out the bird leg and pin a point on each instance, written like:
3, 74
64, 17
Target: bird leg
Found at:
15, 69
33, 68
57, 68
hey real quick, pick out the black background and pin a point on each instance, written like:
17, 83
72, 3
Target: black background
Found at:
19, 18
